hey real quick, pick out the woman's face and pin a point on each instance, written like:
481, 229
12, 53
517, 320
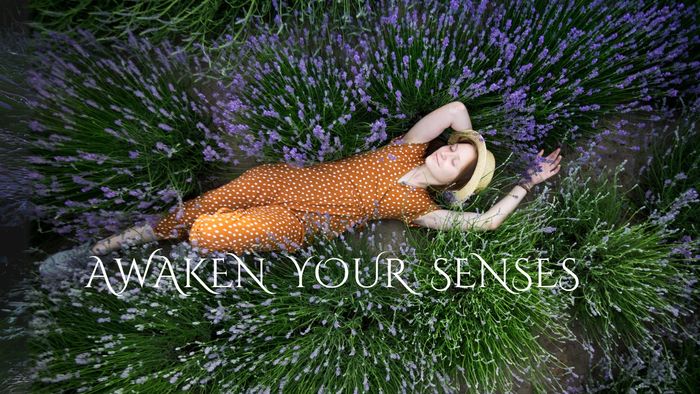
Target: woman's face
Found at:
446, 163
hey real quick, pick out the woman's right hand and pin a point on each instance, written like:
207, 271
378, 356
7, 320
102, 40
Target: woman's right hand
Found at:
549, 167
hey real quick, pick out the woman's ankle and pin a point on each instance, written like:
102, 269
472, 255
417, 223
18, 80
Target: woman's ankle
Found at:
145, 233
107, 245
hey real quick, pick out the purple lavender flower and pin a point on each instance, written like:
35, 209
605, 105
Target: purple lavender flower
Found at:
123, 108
165, 127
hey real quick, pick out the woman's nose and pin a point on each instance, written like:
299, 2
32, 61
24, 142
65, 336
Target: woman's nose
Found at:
444, 157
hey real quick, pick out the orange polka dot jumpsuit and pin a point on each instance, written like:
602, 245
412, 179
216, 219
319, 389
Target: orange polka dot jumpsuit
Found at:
281, 207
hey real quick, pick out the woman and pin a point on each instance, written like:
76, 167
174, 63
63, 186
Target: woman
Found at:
280, 207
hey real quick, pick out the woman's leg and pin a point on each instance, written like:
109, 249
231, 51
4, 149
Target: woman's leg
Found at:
133, 236
261, 228
242, 192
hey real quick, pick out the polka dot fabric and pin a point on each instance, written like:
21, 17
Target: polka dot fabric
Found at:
281, 207
264, 228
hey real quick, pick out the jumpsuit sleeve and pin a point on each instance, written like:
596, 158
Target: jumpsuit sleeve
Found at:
397, 138
421, 205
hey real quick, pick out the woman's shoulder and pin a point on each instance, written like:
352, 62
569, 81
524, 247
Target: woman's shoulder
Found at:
410, 151
403, 140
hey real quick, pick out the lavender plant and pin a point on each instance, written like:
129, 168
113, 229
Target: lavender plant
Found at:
669, 178
243, 339
296, 99
631, 283
493, 334
190, 22
528, 72
670, 365
650, 370
117, 132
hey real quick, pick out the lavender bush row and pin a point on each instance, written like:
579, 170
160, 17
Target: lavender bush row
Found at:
554, 68
117, 131
303, 338
290, 101
242, 340
633, 284
528, 71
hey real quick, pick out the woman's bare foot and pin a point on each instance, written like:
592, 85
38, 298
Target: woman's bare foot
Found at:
132, 236
105, 246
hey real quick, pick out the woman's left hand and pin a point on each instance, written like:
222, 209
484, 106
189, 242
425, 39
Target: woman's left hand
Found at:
549, 167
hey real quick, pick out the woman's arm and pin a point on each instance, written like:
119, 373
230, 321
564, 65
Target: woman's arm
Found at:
500, 211
430, 126
443, 219
491, 219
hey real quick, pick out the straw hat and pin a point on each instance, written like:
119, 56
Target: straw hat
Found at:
485, 165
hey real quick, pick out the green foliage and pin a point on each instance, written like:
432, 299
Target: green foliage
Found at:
189, 22
630, 285
116, 127
671, 172
493, 336
299, 338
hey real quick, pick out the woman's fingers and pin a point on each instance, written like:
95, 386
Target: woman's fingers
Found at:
553, 160
554, 153
550, 163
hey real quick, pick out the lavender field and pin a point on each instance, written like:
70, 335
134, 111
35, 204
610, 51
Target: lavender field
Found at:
115, 113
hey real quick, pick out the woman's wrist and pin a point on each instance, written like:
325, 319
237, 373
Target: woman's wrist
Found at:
525, 185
